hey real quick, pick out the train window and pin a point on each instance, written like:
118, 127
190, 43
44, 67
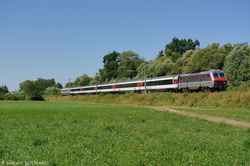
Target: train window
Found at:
162, 82
105, 87
216, 75
92, 88
126, 85
222, 75
75, 90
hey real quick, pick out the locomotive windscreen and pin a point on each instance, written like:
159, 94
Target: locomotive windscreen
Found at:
219, 75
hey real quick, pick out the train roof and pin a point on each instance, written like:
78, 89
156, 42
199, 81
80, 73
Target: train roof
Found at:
204, 72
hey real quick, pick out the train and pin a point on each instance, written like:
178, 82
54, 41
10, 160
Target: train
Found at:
210, 80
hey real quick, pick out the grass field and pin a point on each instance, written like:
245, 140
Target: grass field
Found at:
60, 133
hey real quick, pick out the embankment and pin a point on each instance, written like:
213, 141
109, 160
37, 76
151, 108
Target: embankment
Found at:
224, 100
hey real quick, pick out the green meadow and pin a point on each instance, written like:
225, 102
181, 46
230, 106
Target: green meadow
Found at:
60, 133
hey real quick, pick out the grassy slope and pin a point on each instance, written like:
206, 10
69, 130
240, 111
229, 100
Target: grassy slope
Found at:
90, 134
224, 100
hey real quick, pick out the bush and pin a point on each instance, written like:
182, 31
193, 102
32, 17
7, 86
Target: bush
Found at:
244, 86
1, 98
52, 91
37, 98
237, 65
14, 96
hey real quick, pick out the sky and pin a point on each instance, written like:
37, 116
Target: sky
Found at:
63, 39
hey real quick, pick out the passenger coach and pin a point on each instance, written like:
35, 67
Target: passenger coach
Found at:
166, 83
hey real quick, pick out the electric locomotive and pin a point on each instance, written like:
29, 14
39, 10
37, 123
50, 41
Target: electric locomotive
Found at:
210, 80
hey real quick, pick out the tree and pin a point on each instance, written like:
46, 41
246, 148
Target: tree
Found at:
46, 82
111, 65
173, 55
155, 68
3, 90
82, 80
161, 53
237, 65
52, 91
226, 48
95, 79
35, 89
59, 85
182, 45
129, 61
69, 85
179, 66
211, 57
177, 47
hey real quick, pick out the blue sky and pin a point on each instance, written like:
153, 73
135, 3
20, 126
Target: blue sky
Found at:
64, 39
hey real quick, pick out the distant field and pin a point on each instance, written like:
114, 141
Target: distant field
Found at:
60, 133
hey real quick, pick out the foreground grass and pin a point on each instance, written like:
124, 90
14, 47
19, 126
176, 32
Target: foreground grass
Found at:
90, 134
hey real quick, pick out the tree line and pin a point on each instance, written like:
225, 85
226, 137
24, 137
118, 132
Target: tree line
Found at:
178, 56
32, 90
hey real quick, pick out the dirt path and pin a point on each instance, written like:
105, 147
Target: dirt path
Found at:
205, 117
